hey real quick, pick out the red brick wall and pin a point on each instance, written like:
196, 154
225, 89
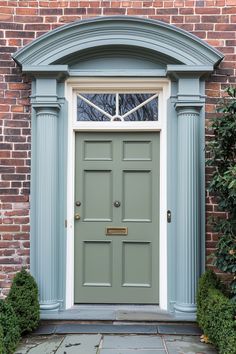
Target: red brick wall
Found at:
22, 21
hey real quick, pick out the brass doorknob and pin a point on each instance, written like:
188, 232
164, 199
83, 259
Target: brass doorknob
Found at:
77, 216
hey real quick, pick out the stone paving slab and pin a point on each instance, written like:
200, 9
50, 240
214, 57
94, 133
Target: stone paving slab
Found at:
80, 344
68, 328
187, 345
179, 329
123, 315
131, 351
119, 328
113, 344
45, 330
42, 345
132, 342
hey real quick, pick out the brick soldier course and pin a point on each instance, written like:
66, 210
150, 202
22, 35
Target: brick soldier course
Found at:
214, 21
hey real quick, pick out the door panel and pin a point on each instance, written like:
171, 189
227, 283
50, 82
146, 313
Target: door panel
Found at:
137, 195
97, 198
121, 168
97, 263
141, 275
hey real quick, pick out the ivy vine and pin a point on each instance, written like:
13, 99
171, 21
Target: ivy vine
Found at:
222, 151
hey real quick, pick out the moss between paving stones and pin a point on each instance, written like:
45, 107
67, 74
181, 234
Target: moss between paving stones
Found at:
216, 314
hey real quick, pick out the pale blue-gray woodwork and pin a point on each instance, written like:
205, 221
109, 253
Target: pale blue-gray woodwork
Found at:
147, 48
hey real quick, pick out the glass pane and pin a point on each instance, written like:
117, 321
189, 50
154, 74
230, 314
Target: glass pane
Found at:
86, 112
102, 107
148, 112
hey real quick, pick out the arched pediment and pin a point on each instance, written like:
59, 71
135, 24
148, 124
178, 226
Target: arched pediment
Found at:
157, 40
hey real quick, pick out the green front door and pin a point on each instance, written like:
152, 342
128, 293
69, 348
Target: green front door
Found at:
117, 208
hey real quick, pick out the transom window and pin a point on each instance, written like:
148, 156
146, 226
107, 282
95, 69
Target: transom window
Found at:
112, 107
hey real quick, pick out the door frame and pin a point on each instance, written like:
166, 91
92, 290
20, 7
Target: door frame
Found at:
163, 87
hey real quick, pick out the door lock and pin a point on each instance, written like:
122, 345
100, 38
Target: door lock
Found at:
168, 216
77, 216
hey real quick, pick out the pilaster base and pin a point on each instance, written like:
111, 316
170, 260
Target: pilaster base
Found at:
186, 311
49, 306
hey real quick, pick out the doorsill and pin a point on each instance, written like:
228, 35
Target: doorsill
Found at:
133, 313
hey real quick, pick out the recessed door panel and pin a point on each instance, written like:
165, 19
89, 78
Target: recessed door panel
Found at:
116, 233
140, 254
97, 195
97, 150
97, 263
137, 150
137, 195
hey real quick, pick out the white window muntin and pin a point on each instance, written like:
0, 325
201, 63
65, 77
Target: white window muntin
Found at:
114, 85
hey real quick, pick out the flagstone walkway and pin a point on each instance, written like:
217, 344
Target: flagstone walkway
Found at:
107, 339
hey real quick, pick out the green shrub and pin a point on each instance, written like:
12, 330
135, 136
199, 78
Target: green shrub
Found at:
207, 281
9, 323
216, 314
23, 297
222, 157
1, 340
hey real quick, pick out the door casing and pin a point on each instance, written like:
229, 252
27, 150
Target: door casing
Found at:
98, 85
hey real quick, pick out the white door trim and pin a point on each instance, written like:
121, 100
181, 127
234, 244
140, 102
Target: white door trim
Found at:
162, 86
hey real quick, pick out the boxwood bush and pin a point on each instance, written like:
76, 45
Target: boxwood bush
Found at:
1, 340
216, 314
10, 327
23, 297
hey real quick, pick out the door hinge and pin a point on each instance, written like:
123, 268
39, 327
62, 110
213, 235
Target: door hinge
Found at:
65, 223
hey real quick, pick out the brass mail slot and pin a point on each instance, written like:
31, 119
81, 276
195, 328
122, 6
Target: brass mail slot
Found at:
116, 231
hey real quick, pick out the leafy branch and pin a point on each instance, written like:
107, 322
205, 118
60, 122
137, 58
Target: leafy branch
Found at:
222, 151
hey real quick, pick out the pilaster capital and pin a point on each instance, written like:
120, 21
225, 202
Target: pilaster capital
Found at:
189, 110
46, 109
45, 98
189, 80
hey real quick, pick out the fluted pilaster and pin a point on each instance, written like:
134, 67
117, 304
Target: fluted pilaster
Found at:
46, 223
188, 212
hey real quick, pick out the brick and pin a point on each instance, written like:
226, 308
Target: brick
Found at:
94, 11
6, 253
26, 11
15, 139
8, 228
4, 154
192, 19
4, 146
8, 131
167, 11
229, 10
75, 11
22, 236
7, 191
13, 177
6, 17
7, 169
12, 162
225, 27
28, 19
19, 34
207, 10
12, 26
186, 11
215, 19
48, 11
121, 11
